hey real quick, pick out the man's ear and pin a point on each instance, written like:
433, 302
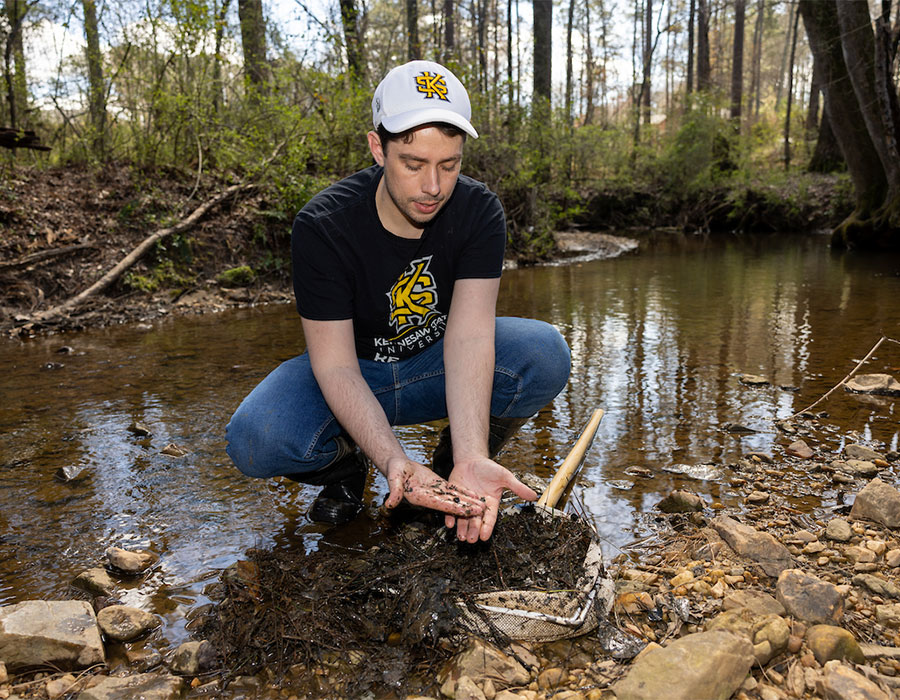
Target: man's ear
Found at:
376, 148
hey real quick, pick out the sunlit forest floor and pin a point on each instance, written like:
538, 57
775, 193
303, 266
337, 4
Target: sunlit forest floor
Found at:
63, 228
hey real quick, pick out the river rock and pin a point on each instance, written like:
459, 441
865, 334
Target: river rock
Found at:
703, 665
122, 623
61, 633
128, 562
841, 682
681, 502
883, 384
760, 547
892, 558
758, 602
858, 555
147, 686
856, 467
828, 642
888, 615
467, 689
753, 380
838, 530
481, 660
60, 686
799, 448
879, 502
877, 585
72, 472
192, 658
768, 633
4, 676
95, 581
808, 598
861, 452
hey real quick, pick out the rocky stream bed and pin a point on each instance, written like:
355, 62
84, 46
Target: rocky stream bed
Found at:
762, 601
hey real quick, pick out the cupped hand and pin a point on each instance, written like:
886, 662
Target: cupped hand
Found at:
489, 479
422, 487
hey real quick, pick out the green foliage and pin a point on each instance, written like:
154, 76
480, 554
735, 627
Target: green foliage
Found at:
241, 276
164, 275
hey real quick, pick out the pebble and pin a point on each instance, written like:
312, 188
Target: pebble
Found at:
892, 558
757, 497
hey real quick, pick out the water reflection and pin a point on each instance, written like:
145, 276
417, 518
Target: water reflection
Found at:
658, 340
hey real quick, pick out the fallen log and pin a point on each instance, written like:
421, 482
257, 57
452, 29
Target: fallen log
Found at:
21, 138
46, 254
137, 253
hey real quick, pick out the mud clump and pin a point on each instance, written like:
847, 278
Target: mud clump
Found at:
344, 621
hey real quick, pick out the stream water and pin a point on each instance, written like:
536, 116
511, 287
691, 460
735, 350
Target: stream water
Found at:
658, 339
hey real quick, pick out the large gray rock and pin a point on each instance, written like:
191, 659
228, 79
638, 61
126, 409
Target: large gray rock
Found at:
61, 633
883, 384
709, 665
857, 451
877, 585
879, 502
760, 547
809, 598
146, 686
843, 683
122, 623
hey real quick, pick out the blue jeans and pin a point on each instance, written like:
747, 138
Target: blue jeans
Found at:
285, 427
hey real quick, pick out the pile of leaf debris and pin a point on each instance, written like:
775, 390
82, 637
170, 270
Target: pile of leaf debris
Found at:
376, 618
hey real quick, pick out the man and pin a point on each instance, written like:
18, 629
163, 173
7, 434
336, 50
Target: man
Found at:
396, 273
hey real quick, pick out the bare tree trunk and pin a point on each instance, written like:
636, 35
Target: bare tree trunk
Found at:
356, 65
870, 75
14, 63
569, 78
543, 47
779, 83
510, 86
826, 157
870, 182
96, 83
217, 60
689, 88
449, 31
253, 43
481, 43
704, 76
413, 49
756, 72
647, 56
737, 63
790, 95
812, 111
588, 65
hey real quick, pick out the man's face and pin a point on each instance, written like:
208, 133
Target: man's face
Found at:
419, 177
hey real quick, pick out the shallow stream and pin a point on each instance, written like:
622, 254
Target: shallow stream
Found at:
659, 340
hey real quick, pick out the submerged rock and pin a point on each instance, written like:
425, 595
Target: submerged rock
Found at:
753, 380
95, 581
130, 562
122, 623
799, 448
879, 502
703, 665
760, 547
681, 502
883, 384
857, 451
61, 633
856, 467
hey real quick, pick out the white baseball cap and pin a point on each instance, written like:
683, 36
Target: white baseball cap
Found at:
421, 92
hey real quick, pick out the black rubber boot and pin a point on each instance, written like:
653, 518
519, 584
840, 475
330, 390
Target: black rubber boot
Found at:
344, 481
500, 430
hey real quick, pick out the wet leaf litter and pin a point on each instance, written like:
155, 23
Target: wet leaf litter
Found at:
338, 621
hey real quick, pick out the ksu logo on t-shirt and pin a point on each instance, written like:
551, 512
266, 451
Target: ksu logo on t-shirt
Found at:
413, 313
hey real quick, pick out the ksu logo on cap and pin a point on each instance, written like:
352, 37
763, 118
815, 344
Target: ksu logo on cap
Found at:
432, 85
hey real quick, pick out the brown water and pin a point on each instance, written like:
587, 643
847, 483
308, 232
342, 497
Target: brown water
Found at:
658, 341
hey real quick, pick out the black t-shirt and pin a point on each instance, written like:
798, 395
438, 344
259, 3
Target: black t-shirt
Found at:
396, 290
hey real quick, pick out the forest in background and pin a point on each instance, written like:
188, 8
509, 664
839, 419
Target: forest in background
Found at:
705, 114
